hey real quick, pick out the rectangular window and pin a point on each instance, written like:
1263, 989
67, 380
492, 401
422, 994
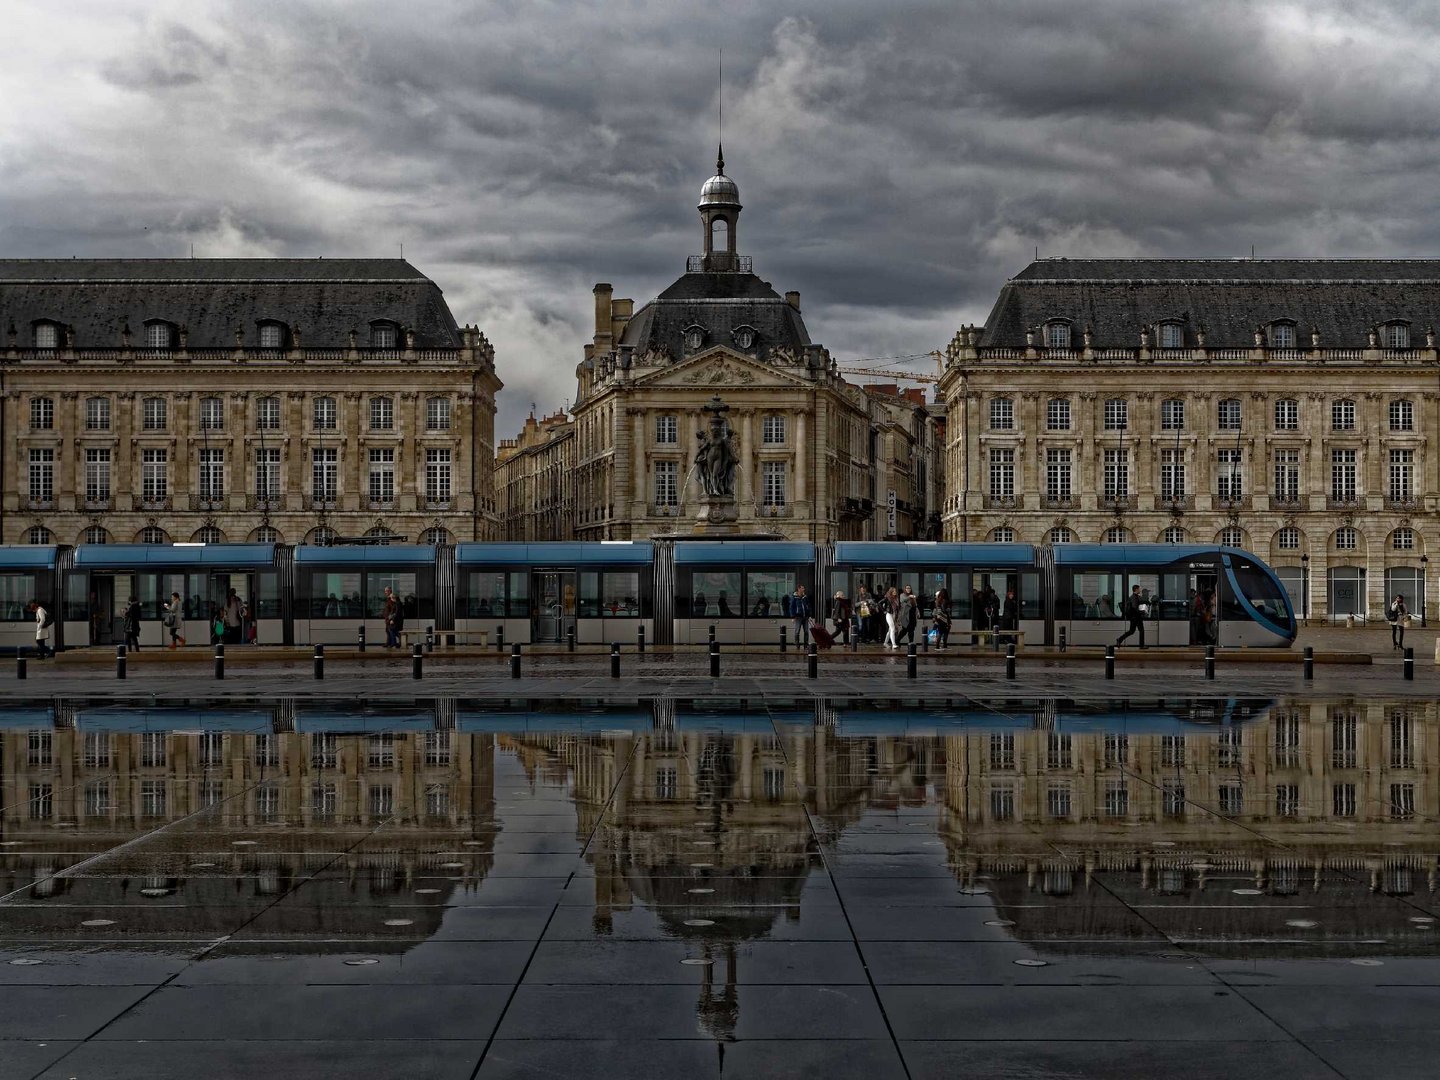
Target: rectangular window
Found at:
324, 750
1232, 800
267, 473
267, 414
437, 475
42, 414
1287, 415
39, 748
437, 800
1282, 336
1344, 733
97, 798
1057, 414
42, 475
1172, 750
1342, 475
1002, 473
1117, 798
1395, 336
1172, 414
1117, 751
324, 800
1287, 474
152, 749
1402, 474
1057, 336
1002, 750
1117, 414
773, 782
382, 800
267, 751
152, 798
1287, 800
324, 414
212, 793
437, 414
667, 474
1002, 802
772, 431
1173, 797
1172, 474
1343, 800
155, 414
325, 474
97, 414
1172, 336
1002, 414
1060, 751
382, 414
1057, 800
667, 430
439, 747
97, 750
1228, 415
212, 474
772, 477
1342, 415
42, 802
272, 335
1057, 474
665, 778
212, 749
212, 414
267, 801
1402, 741
1402, 416
382, 750
382, 475
1229, 473
97, 475
1117, 474
1287, 741
1402, 800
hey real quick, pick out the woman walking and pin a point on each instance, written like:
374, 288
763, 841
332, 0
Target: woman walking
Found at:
131, 617
1398, 614
941, 619
891, 607
174, 620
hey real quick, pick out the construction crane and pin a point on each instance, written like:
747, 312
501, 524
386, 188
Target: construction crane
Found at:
894, 373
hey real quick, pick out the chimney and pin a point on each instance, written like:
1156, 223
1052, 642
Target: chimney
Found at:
603, 335
793, 299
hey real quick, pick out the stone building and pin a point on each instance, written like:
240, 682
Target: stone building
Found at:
216, 400
908, 433
1280, 405
804, 434
535, 480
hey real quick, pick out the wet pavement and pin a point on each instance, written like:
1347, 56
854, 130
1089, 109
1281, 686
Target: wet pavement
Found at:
780, 885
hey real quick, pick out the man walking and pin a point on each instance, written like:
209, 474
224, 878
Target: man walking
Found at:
1133, 612
387, 612
800, 615
905, 617
840, 616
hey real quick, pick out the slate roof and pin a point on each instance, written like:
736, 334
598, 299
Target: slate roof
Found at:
1343, 298
324, 298
720, 303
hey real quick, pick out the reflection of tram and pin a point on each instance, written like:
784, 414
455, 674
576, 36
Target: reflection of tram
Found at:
674, 591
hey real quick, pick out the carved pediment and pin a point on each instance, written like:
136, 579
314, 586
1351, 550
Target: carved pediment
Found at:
717, 368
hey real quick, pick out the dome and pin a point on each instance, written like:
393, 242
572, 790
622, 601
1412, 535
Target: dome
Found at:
719, 190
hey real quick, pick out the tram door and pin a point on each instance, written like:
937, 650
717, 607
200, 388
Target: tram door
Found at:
109, 593
1204, 581
217, 590
553, 614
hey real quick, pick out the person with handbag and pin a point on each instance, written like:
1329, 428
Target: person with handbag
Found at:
173, 620
940, 618
1397, 615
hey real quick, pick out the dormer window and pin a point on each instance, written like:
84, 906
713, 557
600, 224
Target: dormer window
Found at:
694, 337
1282, 335
1057, 335
47, 335
383, 335
272, 335
1172, 335
1395, 335
744, 337
159, 335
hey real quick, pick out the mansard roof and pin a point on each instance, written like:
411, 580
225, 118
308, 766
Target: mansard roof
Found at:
1229, 298
721, 303
324, 298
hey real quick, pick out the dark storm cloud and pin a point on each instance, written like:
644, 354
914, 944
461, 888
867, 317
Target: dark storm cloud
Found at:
897, 161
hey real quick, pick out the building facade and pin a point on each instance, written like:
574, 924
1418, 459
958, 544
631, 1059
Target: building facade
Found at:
224, 400
535, 480
1283, 406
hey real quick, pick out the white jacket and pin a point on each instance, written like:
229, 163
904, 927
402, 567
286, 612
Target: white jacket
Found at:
42, 632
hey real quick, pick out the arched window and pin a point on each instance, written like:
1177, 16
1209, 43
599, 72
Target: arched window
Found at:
1403, 539
1287, 415
1231, 536
1172, 414
381, 534
383, 335
38, 534
324, 413
1395, 335
265, 534
1288, 538
321, 536
1173, 535
47, 335
1342, 414
272, 335
1003, 535
1117, 534
1347, 538
159, 335
95, 534
1282, 335
1057, 335
208, 534
1060, 535
1402, 415
1228, 415
152, 534
1172, 335
435, 536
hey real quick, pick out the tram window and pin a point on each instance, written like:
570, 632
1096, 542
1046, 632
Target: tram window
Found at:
77, 602
268, 597
16, 590
612, 594
932, 582
714, 593
403, 585
485, 595
1174, 598
334, 596
1097, 594
1259, 593
768, 592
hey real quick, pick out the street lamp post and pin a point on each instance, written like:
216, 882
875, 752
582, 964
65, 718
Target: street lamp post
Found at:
1424, 563
1305, 584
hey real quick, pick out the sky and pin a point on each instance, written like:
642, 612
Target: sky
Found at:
897, 161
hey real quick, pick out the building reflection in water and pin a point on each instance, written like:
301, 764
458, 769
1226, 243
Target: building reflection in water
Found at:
713, 817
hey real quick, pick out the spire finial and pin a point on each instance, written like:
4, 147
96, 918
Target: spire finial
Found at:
720, 160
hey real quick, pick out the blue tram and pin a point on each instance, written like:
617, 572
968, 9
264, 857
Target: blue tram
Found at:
609, 591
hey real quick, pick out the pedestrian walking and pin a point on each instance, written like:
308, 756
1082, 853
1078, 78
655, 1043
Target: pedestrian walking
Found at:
840, 615
43, 623
131, 619
1010, 611
864, 616
905, 616
232, 616
890, 608
173, 620
1397, 615
387, 612
800, 615
940, 617
1133, 610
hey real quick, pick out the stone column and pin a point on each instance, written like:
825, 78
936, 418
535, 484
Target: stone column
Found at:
744, 479
641, 499
122, 467
801, 457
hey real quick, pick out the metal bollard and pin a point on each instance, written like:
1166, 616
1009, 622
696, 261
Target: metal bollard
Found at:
640, 639
855, 641
319, 661
430, 639
782, 639
1062, 639
1109, 661
712, 634
515, 660
500, 638
19, 665
570, 639
1308, 667
120, 661
1209, 661
1409, 665
911, 667
615, 659
714, 659
1010, 661
812, 661
417, 661
219, 661
360, 637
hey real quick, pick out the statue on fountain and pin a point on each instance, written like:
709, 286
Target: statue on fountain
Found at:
715, 465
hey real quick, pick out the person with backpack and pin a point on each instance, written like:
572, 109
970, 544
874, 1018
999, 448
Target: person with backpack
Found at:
1132, 611
1397, 615
173, 620
43, 623
131, 619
